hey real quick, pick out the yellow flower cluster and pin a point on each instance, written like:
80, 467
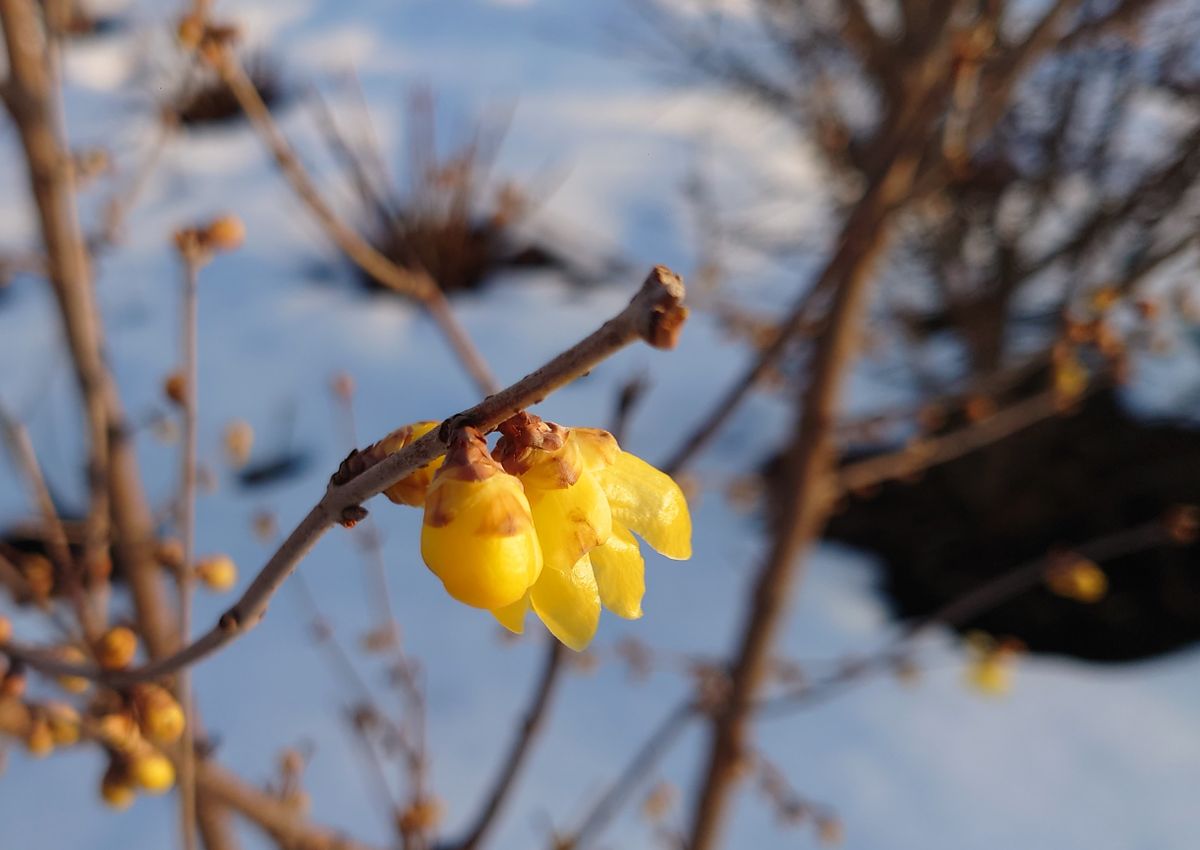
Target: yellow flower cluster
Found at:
545, 521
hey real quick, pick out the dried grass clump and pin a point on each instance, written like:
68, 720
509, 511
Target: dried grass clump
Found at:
454, 222
203, 99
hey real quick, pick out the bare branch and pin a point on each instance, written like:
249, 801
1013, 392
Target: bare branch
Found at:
186, 521
657, 744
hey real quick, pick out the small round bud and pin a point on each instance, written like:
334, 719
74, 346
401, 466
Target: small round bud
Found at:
238, 440
1078, 578
265, 526
13, 685
1183, 524
342, 385
120, 731
72, 655
117, 648
116, 788
160, 716
175, 388
218, 572
64, 723
39, 740
420, 817
39, 574
190, 30
226, 233
830, 831
169, 553
153, 772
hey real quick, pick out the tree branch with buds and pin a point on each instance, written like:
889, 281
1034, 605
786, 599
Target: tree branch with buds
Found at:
655, 315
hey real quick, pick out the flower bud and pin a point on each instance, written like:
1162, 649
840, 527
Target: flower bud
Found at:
477, 535
39, 739
72, 655
64, 723
120, 731
218, 572
175, 388
116, 787
1077, 578
159, 716
168, 552
117, 648
226, 233
411, 489
152, 772
238, 440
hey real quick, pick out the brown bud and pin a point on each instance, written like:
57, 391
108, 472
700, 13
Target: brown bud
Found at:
169, 553
175, 388
1183, 524
225, 233
342, 385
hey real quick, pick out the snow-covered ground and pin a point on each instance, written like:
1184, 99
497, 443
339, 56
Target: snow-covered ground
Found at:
1077, 756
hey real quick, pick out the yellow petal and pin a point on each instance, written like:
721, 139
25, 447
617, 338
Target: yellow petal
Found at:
411, 489
570, 521
568, 602
596, 447
620, 573
649, 503
478, 538
512, 617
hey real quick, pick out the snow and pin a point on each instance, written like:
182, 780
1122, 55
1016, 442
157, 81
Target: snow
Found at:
1078, 756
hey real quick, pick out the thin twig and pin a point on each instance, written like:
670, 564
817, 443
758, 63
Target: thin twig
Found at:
933, 451
519, 749
418, 285
964, 609
657, 743
186, 521
57, 542
370, 545
806, 500
655, 315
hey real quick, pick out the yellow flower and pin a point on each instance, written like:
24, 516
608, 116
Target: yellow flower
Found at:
571, 516
411, 489
587, 497
478, 535
644, 501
